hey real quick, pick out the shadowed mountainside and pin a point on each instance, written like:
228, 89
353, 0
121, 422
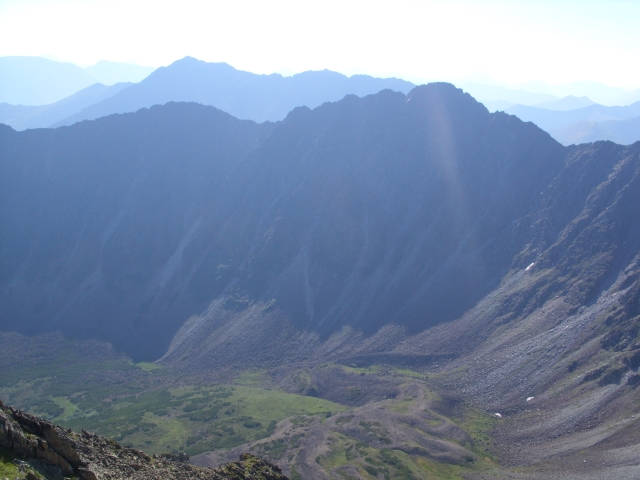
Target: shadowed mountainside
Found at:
125, 189
387, 209
242, 94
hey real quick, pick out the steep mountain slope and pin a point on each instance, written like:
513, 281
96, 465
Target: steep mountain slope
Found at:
242, 94
553, 349
38, 81
365, 212
388, 209
624, 132
550, 120
90, 215
21, 117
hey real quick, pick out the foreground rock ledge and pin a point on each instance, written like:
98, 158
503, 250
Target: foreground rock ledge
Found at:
57, 453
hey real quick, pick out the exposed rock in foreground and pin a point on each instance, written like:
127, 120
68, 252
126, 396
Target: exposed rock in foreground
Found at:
57, 453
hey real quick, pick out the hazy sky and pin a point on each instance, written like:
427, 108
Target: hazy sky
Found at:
515, 41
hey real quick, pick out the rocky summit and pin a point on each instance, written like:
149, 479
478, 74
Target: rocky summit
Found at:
42, 449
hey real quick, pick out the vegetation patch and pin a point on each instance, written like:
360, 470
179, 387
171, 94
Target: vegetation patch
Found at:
478, 426
252, 377
128, 405
149, 367
361, 370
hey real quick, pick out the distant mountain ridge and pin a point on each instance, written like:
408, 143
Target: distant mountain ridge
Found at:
584, 125
566, 103
599, 92
21, 117
242, 94
38, 81
495, 93
246, 95
623, 132
552, 120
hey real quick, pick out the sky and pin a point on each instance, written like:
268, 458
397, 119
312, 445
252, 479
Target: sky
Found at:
512, 41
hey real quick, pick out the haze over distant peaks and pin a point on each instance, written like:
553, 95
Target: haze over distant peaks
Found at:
623, 132
567, 103
242, 94
598, 92
38, 81
495, 93
550, 120
109, 73
21, 117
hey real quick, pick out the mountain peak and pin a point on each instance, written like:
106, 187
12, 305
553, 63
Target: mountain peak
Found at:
442, 91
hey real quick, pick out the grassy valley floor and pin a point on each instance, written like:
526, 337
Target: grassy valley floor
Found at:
376, 422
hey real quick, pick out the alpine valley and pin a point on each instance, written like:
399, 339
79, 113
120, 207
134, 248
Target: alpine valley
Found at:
387, 286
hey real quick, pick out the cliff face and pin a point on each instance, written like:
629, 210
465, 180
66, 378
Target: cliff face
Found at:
53, 452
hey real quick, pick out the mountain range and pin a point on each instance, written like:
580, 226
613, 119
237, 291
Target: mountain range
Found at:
587, 124
506, 96
365, 239
599, 92
624, 132
550, 120
242, 94
271, 97
412, 231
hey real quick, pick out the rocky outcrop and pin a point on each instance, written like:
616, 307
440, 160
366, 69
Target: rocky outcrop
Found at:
56, 453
